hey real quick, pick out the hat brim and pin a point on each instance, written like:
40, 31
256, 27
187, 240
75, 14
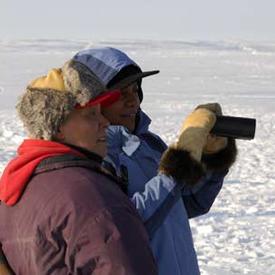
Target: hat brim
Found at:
106, 99
132, 78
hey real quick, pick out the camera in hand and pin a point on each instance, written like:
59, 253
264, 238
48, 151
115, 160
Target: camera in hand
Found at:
235, 127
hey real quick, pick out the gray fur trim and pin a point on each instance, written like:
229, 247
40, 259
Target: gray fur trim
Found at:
42, 111
81, 82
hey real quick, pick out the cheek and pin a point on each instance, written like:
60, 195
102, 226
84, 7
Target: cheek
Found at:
137, 100
85, 132
90, 130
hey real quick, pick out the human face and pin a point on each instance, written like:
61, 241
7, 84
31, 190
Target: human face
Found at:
85, 128
123, 112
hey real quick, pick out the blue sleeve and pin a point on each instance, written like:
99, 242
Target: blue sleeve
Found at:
155, 193
198, 200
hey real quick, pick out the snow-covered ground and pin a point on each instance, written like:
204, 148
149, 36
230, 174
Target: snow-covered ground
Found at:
238, 235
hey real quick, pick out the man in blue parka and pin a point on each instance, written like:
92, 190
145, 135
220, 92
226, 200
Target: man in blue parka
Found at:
168, 185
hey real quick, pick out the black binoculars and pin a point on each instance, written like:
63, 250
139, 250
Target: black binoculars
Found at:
235, 127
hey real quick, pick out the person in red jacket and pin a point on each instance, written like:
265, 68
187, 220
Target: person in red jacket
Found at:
60, 212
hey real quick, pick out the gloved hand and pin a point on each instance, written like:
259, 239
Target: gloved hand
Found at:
184, 160
214, 143
195, 130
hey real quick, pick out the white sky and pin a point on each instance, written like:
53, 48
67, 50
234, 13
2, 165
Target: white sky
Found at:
149, 19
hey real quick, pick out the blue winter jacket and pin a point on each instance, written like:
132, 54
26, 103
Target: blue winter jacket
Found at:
139, 154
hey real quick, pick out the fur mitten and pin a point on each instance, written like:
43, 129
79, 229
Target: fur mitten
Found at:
182, 160
196, 150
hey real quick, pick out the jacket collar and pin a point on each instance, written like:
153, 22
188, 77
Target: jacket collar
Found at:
142, 123
19, 170
69, 160
120, 138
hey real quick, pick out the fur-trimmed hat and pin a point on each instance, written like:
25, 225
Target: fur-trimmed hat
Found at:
48, 100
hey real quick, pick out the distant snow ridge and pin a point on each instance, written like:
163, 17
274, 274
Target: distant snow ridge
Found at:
61, 45
42, 45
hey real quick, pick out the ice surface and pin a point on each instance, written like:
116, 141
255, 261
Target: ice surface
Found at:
238, 235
